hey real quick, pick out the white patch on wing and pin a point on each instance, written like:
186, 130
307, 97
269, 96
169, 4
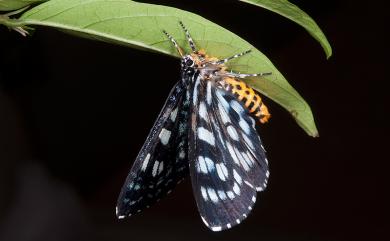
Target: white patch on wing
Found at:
230, 194
237, 177
236, 106
243, 162
155, 166
145, 163
206, 135
225, 118
232, 153
174, 114
203, 112
216, 228
202, 167
160, 167
182, 154
220, 173
236, 189
248, 141
204, 193
210, 164
164, 136
244, 126
195, 93
212, 195
222, 100
247, 159
232, 133
222, 194
208, 94
224, 169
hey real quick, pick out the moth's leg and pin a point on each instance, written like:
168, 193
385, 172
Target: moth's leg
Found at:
241, 76
222, 61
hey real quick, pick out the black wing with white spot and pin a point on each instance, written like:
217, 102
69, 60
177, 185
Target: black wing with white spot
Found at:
228, 164
163, 159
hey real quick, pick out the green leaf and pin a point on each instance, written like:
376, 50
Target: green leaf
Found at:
140, 25
9, 5
292, 12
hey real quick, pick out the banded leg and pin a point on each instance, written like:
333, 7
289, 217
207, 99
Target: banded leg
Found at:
242, 76
222, 61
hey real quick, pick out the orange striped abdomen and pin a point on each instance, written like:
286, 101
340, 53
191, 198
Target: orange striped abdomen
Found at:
249, 97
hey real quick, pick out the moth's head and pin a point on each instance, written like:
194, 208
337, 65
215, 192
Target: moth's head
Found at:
187, 61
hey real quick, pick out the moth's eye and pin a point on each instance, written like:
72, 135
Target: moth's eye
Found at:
189, 62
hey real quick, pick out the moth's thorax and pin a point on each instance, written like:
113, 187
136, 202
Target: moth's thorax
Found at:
210, 70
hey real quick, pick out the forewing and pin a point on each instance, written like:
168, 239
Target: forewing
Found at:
163, 159
227, 159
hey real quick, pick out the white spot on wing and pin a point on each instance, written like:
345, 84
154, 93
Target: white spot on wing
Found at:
248, 141
244, 126
204, 193
232, 153
237, 177
236, 106
236, 189
230, 194
208, 94
203, 112
164, 136
160, 167
195, 93
224, 169
222, 100
222, 194
225, 118
155, 166
216, 228
206, 136
145, 163
220, 173
232, 133
173, 115
212, 195
182, 154
243, 162
202, 166
210, 164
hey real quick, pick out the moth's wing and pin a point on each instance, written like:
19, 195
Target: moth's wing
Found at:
163, 159
227, 161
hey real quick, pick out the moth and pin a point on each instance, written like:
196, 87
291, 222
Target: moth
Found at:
206, 129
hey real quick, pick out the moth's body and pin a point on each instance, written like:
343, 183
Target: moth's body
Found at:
205, 130
211, 70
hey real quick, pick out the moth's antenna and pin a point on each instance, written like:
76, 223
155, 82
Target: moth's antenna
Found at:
190, 40
179, 50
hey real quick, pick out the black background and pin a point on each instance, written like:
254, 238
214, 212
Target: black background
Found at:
74, 114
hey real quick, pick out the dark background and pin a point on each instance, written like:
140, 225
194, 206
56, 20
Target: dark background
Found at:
74, 114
